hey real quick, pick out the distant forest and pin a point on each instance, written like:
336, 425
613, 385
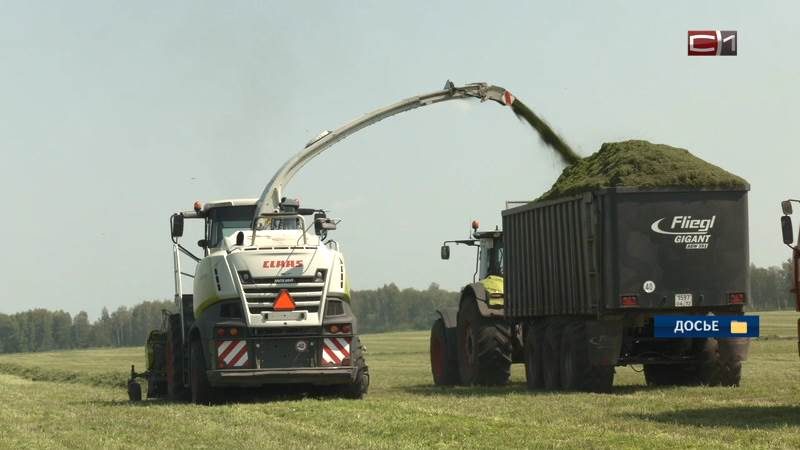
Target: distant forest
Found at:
388, 308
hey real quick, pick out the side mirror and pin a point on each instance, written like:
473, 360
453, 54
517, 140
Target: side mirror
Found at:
786, 206
787, 229
445, 252
176, 225
322, 224
202, 243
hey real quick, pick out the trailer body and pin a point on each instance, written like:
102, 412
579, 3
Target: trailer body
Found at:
673, 250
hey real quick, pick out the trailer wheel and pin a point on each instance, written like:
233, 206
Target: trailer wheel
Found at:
484, 346
202, 393
551, 355
533, 348
577, 373
444, 367
719, 369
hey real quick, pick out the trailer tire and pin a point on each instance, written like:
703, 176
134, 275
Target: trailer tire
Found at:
175, 388
444, 367
551, 355
718, 370
577, 372
202, 392
484, 346
533, 349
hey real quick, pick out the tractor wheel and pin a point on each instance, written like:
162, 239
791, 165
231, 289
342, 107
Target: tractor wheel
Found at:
551, 355
202, 392
577, 373
175, 388
484, 347
155, 388
533, 348
444, 367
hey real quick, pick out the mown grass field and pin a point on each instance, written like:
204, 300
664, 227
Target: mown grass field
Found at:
84, 407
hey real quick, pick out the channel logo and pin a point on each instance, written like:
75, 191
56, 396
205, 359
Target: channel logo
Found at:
677, 327
712, 43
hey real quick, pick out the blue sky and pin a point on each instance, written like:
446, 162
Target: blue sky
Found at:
116, 114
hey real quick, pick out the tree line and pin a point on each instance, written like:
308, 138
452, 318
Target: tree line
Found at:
387, 308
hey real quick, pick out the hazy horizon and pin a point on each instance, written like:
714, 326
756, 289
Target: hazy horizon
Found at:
117, 115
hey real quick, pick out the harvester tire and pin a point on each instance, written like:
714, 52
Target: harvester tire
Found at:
444, 367
484, 346
577, 371
175, 389
551, 355
202, 392
533, 348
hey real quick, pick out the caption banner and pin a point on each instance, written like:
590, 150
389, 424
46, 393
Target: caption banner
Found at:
706, 326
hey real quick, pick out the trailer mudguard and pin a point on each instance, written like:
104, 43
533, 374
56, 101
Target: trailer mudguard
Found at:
605, 341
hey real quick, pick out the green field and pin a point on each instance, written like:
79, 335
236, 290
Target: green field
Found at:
77, 402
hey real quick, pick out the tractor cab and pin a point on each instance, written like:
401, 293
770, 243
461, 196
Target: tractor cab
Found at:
489, 259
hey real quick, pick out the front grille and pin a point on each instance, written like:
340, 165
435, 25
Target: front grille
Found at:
260, 293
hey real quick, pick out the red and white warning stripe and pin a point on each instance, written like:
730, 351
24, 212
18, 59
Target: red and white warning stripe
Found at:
335, 351
232, 354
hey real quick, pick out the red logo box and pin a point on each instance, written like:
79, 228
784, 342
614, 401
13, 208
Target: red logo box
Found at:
712, 43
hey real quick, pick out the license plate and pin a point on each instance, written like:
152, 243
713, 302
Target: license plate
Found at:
285, 315
683, 300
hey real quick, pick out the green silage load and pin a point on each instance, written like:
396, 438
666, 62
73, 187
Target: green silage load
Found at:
643, 165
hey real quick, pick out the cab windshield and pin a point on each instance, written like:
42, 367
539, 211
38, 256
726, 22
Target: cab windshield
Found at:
227, 220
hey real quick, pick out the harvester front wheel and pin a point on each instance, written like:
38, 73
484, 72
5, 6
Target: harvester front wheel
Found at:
484, 346
174, 353
444, 367
202, 393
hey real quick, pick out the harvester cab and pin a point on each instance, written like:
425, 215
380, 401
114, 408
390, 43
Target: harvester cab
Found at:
270, 304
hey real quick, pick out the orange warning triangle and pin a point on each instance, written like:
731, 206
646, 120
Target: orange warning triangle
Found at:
284, 302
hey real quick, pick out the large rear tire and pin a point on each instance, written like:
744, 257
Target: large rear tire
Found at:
444, 366
484, 346
202, 392
577, 372
533, 348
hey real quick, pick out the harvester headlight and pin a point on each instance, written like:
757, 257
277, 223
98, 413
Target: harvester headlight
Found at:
319, 276
245, 277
